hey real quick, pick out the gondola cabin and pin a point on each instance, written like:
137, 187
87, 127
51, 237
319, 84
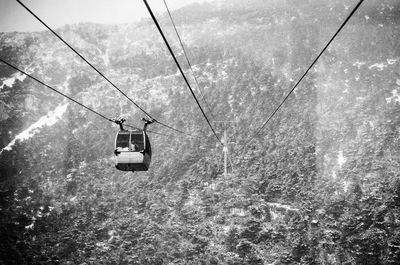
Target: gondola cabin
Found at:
132, 150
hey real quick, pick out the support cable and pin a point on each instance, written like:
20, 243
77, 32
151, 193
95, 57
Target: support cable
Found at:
308, 69
179, 131
83, 58
100, 73
55, 90
73, 100
179, 67
187, 60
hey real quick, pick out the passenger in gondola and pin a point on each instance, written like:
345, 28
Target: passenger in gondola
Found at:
134, 147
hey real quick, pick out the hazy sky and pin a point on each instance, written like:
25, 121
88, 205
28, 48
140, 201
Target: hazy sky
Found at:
56, 13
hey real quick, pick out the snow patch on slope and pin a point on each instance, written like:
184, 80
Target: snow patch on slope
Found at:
395, 97
378, 66
48, 120
11, 81
104, 56
383, 65
359, 64
341, 159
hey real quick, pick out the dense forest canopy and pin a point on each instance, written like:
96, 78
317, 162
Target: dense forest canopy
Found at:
318, 185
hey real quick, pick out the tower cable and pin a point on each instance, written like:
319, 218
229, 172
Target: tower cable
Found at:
100, 73
308, 69
179, 67
187, 60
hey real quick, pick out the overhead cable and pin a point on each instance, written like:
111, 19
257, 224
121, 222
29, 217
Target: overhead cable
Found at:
174, 129
308, 69
179, 67
73, 100
187, 60
100, 73
55, 90
83, 58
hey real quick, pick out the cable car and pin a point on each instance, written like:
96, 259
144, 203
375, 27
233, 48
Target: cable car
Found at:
132, 148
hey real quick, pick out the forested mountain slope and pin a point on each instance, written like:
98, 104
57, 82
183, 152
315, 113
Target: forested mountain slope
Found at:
318, 185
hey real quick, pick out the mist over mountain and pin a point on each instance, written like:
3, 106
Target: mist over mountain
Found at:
319, 184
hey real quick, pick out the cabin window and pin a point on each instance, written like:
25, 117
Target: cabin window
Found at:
123, 140
137, 141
